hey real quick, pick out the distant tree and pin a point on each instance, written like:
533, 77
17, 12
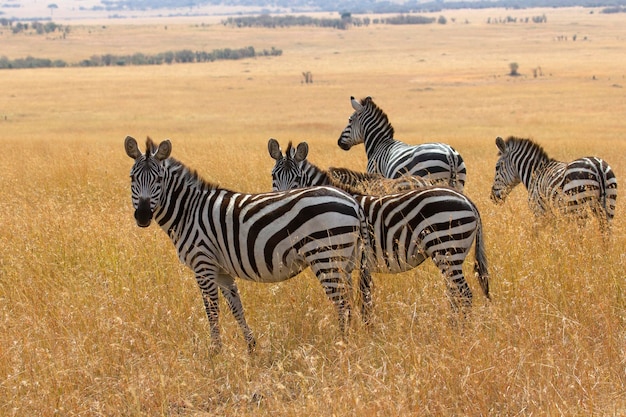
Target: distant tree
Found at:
52, 6
513, 67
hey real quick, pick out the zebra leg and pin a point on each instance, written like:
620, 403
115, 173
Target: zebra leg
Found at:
229, 289
604, 220
365, 288
451, 267
335, 282
211, 306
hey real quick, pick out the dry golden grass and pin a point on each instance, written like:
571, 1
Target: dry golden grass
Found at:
98, 317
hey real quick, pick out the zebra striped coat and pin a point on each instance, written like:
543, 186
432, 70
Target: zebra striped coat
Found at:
369, 125
268, 237
554, 186
406, 228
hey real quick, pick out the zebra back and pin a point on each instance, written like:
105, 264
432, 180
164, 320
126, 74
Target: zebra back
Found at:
374, 184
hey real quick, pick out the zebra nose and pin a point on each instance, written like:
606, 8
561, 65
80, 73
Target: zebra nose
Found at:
143, 213
343, 145
496, 197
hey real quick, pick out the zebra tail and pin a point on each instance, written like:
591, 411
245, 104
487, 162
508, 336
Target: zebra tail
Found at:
480, 263
365, 277
607, 176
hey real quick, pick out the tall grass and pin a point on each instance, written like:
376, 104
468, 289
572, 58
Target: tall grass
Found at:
98, 317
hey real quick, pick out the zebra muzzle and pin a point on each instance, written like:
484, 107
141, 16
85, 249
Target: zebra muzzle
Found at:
343, 145
143, 213
497, 196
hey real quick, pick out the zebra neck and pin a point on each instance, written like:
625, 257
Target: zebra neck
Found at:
377, 148
315, 175
531, 169
181, 188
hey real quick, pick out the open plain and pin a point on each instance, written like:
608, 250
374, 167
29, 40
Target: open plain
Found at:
98, 317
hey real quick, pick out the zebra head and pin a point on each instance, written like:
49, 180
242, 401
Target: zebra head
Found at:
506, 175
353, 133
287, 172
146, 177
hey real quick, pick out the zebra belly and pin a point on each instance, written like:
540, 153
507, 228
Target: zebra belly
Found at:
389, 264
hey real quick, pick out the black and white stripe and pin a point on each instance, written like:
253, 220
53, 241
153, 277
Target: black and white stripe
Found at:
369, 125
554, 186
268, 237
406, 228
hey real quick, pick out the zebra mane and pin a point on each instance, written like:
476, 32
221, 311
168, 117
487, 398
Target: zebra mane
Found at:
289, 149
529, 144
190, 176
379, 114
150, 146
311, 168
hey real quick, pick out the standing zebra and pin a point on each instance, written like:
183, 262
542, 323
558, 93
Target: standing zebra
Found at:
369, 125
406, 228
269, 237
555, 186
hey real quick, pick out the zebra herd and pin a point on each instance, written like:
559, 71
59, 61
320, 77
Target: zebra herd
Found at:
408, 207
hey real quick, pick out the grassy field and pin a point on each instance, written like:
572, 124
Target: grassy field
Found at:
98, 317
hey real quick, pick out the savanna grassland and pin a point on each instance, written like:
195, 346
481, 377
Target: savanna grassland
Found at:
98, 317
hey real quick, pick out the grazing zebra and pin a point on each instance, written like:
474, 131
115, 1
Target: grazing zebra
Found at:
375, 184
406, 228
268, 237
555, 186
369, 125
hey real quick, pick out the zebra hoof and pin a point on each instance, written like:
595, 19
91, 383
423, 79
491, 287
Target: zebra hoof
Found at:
251, 346
215, 349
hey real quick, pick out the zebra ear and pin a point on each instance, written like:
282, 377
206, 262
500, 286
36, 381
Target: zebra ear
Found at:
355, 104
301, 152
132, 150
164, 150
500, 144
274, 149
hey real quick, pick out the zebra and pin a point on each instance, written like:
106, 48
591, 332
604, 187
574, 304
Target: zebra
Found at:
392, 158
554, 186
268, 237
406, 228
